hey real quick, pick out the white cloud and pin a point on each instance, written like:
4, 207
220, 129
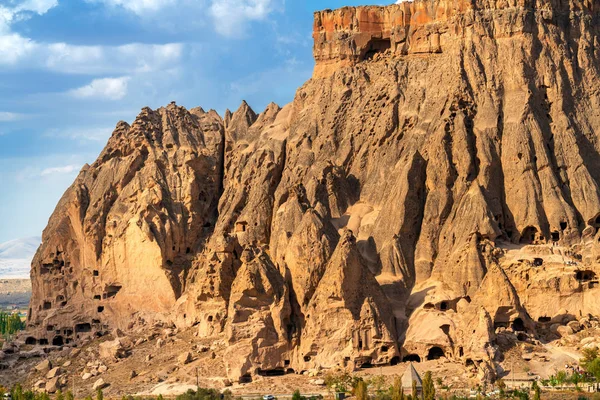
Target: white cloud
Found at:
105, 88
18, 51
75, 59
6, 116
67, 169
19, 10
230, 15
139, 6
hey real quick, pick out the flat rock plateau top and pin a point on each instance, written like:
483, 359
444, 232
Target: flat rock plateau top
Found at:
432, 187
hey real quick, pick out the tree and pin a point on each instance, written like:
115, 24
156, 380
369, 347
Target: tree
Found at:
537, 393
589, 355
561, 377
415, 393
297, 395
428, 387
17, 392
361, 391
397, 389
69, 395
99, 394
378, 382
59, 395
576, 378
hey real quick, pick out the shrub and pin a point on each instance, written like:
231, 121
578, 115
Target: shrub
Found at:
360, 392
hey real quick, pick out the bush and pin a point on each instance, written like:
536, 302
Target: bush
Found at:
361, 391
200, 394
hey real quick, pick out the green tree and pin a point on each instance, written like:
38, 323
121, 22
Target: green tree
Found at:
377, 382
428, 387
17, 392
397, 390
537, 393
296, 395
561, 377
339, 382
59, 395
361, 391
99, 394
415, 392
69, 395
576, 379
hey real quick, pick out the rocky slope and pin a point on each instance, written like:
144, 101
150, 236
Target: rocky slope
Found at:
432, 186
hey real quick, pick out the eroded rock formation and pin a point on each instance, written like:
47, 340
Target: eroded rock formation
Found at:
434, 183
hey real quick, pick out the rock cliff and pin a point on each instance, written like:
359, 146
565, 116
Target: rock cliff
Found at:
435, 183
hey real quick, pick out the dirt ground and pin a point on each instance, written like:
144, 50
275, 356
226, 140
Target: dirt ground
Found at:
152, 368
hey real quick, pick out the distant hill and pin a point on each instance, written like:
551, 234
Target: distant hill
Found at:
16, 256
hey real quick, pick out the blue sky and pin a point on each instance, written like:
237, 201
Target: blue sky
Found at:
71, 69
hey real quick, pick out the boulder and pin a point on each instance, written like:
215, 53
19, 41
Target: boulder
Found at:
564, 330
53, 385
185, 358
112, 350
53, 373
575, 326
44, 366
99, 384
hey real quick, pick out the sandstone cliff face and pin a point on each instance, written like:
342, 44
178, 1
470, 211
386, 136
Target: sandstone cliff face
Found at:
405, 198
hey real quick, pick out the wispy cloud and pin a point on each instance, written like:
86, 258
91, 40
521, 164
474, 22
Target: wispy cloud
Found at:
67, 169
83, 134
106, 88
138, 6
62, 57
6, 116
230, 17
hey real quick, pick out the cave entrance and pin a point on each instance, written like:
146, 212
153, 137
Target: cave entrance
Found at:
585, 276
272, 372
411, 358
83, 328
375, 46
111, 291
544, 319
31, 340
529, 236
518, 325
435, 353
395, 360
57, 341
246, 378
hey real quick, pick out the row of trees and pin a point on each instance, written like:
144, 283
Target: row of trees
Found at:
10, 324
359, 387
